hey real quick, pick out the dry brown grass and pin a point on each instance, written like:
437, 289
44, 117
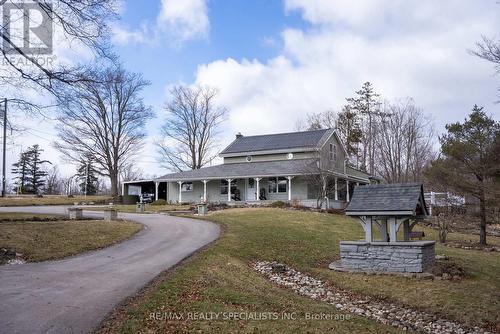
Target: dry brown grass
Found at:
51, 200
40, 241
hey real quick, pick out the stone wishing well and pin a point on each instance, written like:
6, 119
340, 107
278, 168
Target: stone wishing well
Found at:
384, 208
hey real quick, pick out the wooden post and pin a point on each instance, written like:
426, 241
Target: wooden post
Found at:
336, 189
180, 191
348, 196
368, 229
257, 194
383, 230
290, 187
229, 189
393, 231
406, 229
205, 190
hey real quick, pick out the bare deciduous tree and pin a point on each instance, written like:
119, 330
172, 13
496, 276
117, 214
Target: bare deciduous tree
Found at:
77, 21
53, 181
105, 118
403, 143
191, 128
489, 49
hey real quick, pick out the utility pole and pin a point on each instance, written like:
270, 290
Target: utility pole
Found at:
4, 147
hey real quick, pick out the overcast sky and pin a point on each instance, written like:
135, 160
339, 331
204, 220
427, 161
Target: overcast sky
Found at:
275, 61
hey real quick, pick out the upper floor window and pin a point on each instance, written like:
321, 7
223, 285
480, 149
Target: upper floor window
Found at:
333, 152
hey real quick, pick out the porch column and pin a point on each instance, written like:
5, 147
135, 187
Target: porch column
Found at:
257, 184
205, 190
336, 189
123, 189
348, 196
157, 184
289, 187
180, 191
229, 189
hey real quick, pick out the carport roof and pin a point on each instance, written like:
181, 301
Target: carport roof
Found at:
241, 170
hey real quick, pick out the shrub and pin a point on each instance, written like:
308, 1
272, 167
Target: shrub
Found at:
278, 204
336, 211
159, 202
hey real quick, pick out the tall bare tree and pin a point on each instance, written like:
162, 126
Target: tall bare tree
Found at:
76, 21
403, 143
191, 127
53, 182
104, 117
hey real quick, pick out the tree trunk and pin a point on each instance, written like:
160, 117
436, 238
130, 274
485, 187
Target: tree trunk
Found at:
482, 229
114, 184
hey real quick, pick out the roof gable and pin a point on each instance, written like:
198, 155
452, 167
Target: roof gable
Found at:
388, 200
281, 141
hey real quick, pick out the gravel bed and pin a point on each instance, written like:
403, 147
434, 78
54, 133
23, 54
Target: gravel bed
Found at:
387, 313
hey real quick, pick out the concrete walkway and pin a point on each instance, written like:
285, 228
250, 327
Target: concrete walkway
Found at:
75, 294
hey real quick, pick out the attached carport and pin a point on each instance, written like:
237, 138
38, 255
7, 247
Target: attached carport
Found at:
138, 187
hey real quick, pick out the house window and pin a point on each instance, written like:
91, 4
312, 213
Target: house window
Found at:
277, 185
333, 152
187, 186
223, 187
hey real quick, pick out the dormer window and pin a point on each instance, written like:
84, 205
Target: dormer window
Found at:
249, 158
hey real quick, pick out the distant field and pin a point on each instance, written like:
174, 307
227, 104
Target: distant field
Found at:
51, 200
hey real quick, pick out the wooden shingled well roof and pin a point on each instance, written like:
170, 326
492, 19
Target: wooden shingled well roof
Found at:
388, 200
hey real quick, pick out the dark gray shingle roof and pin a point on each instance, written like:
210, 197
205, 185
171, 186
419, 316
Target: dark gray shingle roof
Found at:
386, 198
246, 169
280, 141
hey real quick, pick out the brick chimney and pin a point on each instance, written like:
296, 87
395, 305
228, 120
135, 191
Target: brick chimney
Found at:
239, 135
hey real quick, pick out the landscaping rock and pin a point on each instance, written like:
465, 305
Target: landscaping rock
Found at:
404, 318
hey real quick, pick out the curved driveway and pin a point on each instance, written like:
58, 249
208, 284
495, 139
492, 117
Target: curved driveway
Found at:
75, 294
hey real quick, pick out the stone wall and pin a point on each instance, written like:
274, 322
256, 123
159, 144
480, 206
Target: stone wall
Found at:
411, 257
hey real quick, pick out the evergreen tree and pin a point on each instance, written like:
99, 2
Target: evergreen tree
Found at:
21, 171
87, 175
348, 128
36, 175
30, 175
366, 106
470, 162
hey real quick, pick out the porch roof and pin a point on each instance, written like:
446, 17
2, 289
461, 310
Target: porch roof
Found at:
242, 170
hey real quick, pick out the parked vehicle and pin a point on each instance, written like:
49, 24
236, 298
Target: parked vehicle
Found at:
147, 198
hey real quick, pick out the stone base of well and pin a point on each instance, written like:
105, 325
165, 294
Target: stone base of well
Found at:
406, 257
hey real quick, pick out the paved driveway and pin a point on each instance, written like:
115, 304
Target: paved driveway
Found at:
74, 295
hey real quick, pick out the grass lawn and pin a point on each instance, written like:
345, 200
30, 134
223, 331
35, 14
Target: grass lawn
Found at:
22, 216
40, 241
148, 208
219, 279
50, 200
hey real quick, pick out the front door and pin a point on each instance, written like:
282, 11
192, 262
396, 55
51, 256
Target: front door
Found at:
250, 190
